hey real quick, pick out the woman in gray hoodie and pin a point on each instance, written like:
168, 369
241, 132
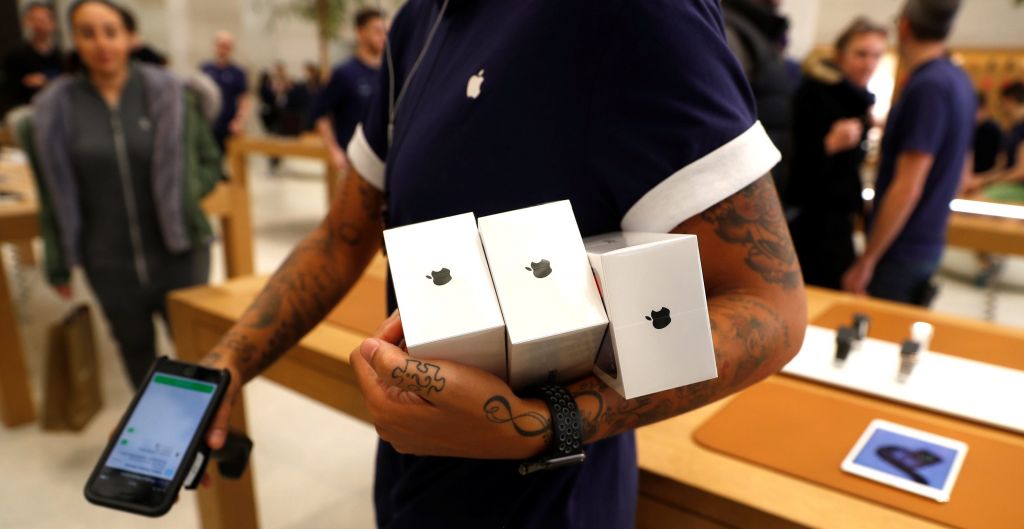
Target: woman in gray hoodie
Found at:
122, 156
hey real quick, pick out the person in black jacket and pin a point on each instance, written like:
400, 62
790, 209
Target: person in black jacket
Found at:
756, 35
988, 139
831, 117
36, 61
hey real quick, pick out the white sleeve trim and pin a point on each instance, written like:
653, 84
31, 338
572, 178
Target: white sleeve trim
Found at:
365, 160
704, 183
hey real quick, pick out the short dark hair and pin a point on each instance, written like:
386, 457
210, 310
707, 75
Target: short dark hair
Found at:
859, 26
29, 6
366, 15
1014, 91
931, 20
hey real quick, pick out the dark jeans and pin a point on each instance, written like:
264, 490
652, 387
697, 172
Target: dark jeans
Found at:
903, 281
129, 306
824, 243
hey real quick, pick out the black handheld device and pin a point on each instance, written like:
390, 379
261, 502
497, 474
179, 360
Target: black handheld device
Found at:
155, 445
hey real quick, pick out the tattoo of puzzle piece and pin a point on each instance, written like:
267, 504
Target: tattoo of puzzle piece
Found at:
418, 376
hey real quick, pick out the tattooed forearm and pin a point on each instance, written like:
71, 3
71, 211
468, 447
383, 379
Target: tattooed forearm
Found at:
308, 284
756, 307
753, 218
748, 337
527, 424
370, 199
591, 405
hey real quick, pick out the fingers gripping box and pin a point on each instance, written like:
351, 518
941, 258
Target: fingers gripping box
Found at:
449, 308
553, 312
659, 333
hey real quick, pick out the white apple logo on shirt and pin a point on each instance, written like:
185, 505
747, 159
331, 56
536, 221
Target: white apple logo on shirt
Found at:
474, 85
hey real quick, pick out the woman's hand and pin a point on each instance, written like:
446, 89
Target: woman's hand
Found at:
443, 408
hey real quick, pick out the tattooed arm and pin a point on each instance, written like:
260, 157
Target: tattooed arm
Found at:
755, 302
319, 271
757, 309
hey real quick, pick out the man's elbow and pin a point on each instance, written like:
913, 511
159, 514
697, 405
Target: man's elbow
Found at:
793, 315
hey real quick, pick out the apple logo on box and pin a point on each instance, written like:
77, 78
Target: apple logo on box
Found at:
540, 269
441, 277
660, 318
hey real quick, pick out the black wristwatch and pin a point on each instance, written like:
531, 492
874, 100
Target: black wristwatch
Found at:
566, 431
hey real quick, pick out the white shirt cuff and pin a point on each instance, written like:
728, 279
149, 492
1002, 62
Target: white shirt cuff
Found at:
364, 160
704, 183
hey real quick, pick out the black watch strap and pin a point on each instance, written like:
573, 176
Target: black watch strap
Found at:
566, 447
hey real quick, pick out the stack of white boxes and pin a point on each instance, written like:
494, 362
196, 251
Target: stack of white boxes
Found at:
552, 322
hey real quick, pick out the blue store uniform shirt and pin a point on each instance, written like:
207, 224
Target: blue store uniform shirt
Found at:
346, 97
934, 115
231, 81
634, 111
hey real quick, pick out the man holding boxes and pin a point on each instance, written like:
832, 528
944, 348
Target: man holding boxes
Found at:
639, 116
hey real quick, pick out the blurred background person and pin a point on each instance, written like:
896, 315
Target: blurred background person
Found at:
141, 51
305, 94
924, 153
273, 90
38, 59
756, 34
988, 139
831, 119
1005, 183
234, 87
989, 161
340, 105
122, 155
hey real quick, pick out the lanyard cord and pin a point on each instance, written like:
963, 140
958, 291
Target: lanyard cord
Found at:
393, 103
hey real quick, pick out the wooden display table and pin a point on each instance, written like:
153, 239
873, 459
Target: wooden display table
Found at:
229, 202
682, 483
305, 146
18, 225
986, 234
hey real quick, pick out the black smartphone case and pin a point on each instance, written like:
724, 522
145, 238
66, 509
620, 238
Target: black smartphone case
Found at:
193, 464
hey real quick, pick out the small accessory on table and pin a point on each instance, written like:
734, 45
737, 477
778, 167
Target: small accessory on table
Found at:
909, 353
861, 324
844, 342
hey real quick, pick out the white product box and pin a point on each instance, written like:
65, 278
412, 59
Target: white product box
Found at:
659, 333
448, 305
553, 312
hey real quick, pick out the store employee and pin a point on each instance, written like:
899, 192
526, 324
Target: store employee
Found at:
634, 111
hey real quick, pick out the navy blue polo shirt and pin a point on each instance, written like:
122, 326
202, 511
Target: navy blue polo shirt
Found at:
634, 111
934, 115
346, 97
231, 81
